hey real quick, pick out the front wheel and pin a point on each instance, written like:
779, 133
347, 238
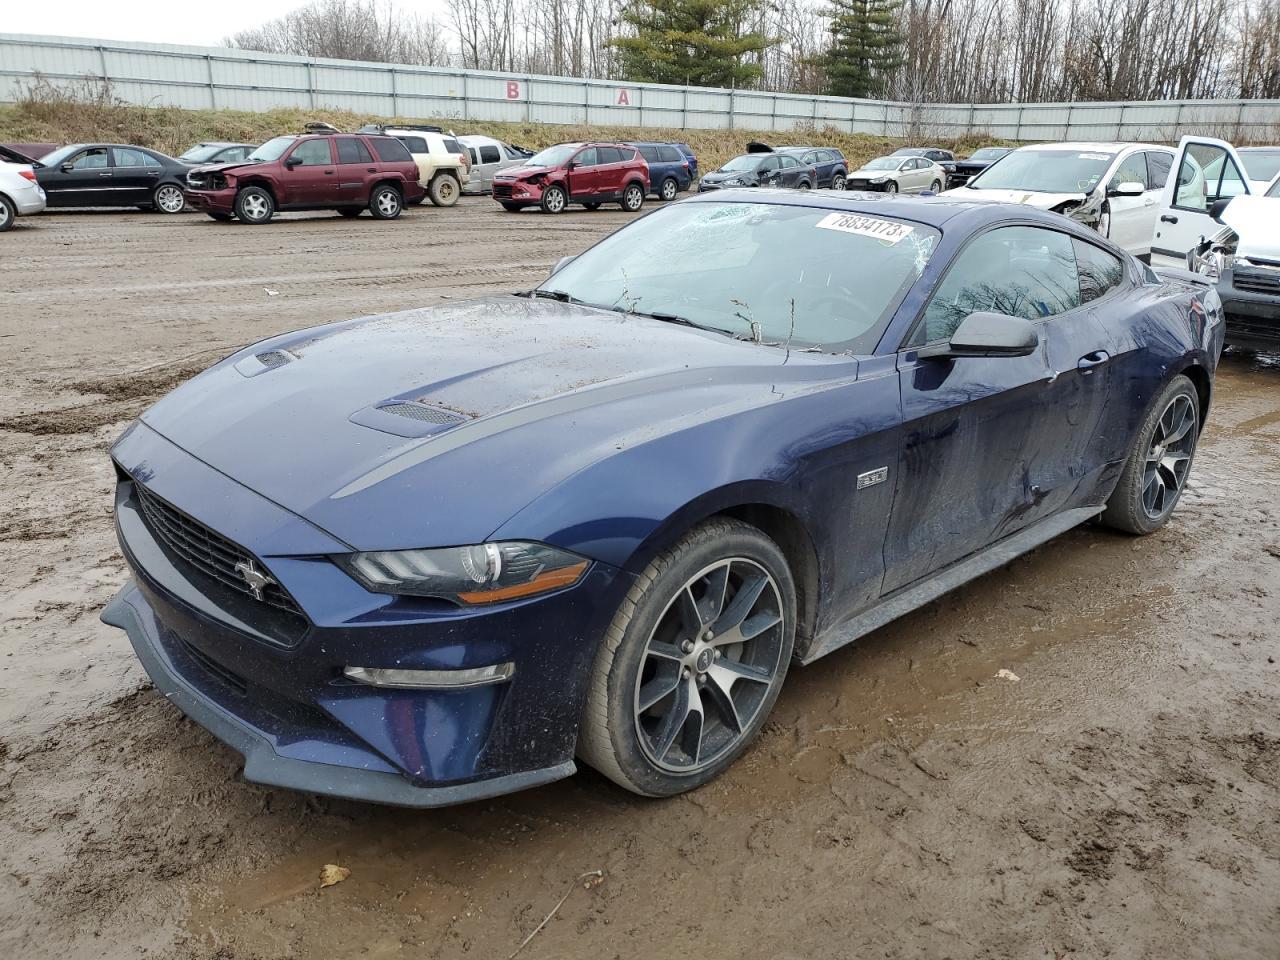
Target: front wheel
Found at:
632, 198
692, 664
554, 200
444, 190
385, 203
838, 182
669, 189
168, 198
254, 205
1159, 462
891, 186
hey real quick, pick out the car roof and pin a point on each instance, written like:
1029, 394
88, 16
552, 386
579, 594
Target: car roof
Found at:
930, 211
1258, 149
1097, 147
222, 143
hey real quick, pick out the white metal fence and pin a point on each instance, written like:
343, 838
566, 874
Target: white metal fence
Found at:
216, 77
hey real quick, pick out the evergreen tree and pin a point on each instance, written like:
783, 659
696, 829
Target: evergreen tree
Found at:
699, 43
866, 44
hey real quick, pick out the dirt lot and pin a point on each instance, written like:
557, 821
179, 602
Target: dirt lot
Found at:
1122, 799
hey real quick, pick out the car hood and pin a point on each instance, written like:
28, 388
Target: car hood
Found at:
524, 170
719, 176
1254, 220
492, 403
1041, 201
864, 174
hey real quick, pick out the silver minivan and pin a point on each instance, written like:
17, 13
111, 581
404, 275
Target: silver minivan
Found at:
488, 156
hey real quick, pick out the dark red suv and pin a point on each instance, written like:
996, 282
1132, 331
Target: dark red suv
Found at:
585, 173
343, 172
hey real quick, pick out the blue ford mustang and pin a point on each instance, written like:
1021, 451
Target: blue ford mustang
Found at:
434, 556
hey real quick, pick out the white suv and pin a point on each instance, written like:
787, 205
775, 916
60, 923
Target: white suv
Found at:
20, 194
443, 165
1113, 187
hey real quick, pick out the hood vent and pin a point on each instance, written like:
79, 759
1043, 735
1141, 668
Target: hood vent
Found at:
418, 411
274, 358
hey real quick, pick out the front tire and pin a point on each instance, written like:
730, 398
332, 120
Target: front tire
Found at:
554, 200
891, 186
1159, 463
444, 190
254, 205
385, 202
168, 199
632, 198
692, 664
669, 189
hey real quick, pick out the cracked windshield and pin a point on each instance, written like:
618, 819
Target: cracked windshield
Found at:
781, 275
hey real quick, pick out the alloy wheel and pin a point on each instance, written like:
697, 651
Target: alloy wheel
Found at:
709, 665
388, 203
169, 199
6, 214
891, 186
1169, 458
256, 207
555, 200
633, 198
838, 182
669, 190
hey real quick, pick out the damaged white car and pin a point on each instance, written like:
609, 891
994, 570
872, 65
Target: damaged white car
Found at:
1113, 187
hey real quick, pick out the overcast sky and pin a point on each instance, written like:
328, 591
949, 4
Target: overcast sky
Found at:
202, 24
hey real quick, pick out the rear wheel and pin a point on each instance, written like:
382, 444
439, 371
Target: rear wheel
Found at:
669, 189
8, 214
554, 200
385, 202
168, 198
444, 190
254, 205
804, 185
1159, 462
632, 198
936, 187
838, 182
692, 663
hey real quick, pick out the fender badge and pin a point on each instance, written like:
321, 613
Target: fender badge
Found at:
872, 477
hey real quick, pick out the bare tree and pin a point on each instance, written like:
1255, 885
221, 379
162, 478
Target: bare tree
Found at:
373, 30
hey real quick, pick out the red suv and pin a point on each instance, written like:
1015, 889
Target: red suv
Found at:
344, 172
585, 173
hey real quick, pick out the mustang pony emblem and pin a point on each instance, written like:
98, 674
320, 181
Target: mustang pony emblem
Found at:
255, 578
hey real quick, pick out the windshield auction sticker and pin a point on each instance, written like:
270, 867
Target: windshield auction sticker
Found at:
887, 231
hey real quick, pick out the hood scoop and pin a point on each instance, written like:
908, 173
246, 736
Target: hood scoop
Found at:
408, 418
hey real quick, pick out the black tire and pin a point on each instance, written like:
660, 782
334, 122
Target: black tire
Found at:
255, 205
669, 189
936, 187
554, 199
351, 212
168, 198
385, 202
839, 182
1135, 506
803, 185
8, 213
511, 207
220, 217
891, 186
444, 190
613, 737
592, 205
632, 198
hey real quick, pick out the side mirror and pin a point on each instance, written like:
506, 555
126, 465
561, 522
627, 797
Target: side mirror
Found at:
571, 165
560, 264
1130, 188
1217, 208
987, 335
292, 162
67, 167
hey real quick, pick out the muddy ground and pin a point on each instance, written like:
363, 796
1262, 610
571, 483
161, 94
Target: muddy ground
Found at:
1122, 799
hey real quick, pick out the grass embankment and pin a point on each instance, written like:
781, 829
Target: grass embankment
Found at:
59, 119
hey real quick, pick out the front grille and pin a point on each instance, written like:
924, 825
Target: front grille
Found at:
502, 189
418, 411
210, 553
1257, 281
215, 669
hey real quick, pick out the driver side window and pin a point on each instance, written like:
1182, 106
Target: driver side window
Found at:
95, 159
1206, 174
586, 158
312, 153
1023, 272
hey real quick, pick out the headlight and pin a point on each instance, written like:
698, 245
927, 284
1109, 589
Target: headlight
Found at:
879, 179
487, 573
735, 182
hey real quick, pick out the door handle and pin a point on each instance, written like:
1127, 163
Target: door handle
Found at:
1090, 360
1165, 218
328, 173
371, 169
104, 174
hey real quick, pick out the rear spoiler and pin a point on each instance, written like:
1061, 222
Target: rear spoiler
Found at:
1183, 275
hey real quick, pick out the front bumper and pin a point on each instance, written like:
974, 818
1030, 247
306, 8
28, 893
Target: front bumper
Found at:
280, 697
866, 185
212, 201
516, 191
1251, 303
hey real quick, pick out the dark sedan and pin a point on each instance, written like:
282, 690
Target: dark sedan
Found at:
112, 175
974, 164
217, 151
760, 170
432, 556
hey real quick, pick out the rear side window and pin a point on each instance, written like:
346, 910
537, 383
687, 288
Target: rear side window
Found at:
390, 150
414, 144
1158, 167
608, 155
453, 146
669, 155
490, 154
129, 158
1018, 271
650, 154
312, 153
1099, 270
351, 150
